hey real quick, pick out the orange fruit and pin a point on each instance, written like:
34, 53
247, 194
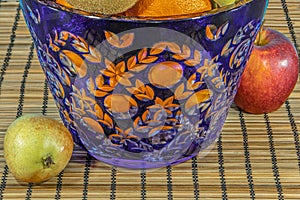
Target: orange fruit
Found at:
119, 103
159, 8
64, 3
165, 74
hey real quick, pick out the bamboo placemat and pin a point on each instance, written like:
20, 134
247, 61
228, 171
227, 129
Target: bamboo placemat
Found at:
256, 157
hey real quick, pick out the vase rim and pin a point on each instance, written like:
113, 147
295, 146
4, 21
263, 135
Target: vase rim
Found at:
161, 19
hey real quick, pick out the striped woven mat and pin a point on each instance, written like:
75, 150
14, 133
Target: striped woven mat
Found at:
256, 156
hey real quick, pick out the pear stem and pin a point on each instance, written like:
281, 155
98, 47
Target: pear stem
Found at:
48, 161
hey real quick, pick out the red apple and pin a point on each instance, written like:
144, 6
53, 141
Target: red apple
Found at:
270, 75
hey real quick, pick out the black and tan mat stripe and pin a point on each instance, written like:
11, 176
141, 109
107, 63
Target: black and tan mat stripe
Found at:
256, 156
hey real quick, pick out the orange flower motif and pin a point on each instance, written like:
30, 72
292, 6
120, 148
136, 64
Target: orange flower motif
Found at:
120, 136
98, 88
117, 73
166, 105
213, 76
208, 68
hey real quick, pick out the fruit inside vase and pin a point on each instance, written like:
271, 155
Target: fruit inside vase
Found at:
147, 8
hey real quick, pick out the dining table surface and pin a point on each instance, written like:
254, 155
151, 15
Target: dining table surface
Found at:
257, 156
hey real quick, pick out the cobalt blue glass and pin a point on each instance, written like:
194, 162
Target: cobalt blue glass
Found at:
141, 92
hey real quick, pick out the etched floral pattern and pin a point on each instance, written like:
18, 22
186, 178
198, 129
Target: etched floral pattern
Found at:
159, 119
157, 103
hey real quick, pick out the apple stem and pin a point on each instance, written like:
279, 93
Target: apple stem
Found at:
258, 41
48, 161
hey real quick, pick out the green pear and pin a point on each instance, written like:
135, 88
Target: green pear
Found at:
37, 148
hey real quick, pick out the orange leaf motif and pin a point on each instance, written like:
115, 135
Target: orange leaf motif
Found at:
137, 67
126, 40
65, 78
145, 116
74, 62
185, 53
99, 93
195, 61
198, 98
99, 112
120, 67
149, 59
210, 31
93, 125
107, 121
115, 136
60, 92
52, 44
131, 62
192, 84
168, 101
106, 88
214, 33
227, 49
93, 56
124, 79
99, 81
161, 46
150, 92
119, 42
144, 58
180, 94
142, 54
155, 131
